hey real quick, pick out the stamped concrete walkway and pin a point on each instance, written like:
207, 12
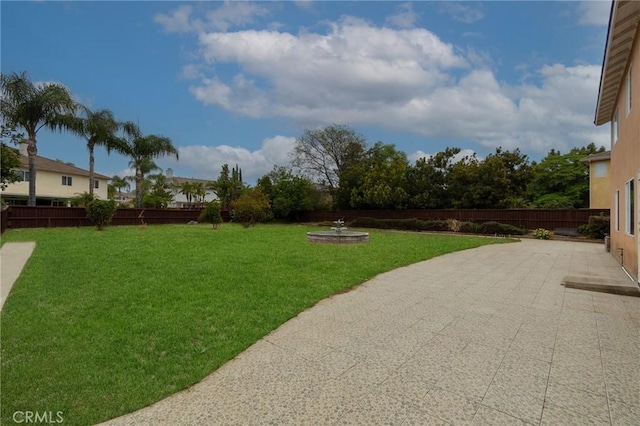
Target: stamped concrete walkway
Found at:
486, 336
13, 257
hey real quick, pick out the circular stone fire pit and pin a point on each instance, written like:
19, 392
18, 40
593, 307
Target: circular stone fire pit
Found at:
338, 235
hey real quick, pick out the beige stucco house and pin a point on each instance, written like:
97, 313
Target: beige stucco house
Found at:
599, 180
619, 104
56, 183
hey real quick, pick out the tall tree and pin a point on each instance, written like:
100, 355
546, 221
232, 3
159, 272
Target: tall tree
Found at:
9, 157
187, 189
119, 183
323, 154
428, 181
98, 128
31, 107
562, 180
289, 194
142, 150
384, 181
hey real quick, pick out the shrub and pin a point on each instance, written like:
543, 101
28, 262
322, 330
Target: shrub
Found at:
598, 226
493, 227
211, 214
542, 234
454, 225
100, 212
368, 222
470, 227
251, 207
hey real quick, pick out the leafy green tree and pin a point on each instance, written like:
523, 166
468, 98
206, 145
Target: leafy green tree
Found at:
31, 107
211, 214
101, 212
9, 156
251, 207
562, 180
229, 186
497, 182
99, 128
288, 194
142, 150
384, 180
323, 154
428, 181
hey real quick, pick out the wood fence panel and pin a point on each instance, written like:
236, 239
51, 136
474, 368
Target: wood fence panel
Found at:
524, 218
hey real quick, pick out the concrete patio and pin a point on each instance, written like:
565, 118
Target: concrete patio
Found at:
485, 336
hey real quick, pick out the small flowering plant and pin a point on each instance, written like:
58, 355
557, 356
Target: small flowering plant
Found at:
542, 234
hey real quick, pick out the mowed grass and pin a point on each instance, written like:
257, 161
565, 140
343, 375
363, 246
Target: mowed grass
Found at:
103, 323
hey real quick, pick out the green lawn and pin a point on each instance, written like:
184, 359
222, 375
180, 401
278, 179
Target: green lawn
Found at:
102, 323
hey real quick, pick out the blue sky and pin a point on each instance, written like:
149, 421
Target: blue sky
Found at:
237, 82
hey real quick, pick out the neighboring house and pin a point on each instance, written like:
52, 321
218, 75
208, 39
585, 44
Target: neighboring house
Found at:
180, 199
56, 183
599, 180
619, 104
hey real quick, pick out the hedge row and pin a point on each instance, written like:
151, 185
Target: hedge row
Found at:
487, 228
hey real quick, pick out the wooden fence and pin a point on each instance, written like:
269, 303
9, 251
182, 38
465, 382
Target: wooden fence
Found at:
48, 217
524, 218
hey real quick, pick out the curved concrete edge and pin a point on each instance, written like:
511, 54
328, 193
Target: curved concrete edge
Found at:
13, 257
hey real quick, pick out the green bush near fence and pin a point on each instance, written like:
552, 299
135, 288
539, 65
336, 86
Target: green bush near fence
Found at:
486, 228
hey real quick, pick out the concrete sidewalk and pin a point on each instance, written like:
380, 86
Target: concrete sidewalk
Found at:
484, 336
13, 257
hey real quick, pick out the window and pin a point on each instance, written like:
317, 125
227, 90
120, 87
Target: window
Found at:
23, 175
616, 210
629, 91
96, 184
66, 181
600, 169
614, 128
629, 222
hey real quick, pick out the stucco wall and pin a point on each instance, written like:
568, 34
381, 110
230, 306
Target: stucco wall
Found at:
49, 185
625, 164
599, 186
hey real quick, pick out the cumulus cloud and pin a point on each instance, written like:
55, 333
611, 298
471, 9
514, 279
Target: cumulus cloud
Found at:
398, 79
205, 162
404, 18
594, 12
229, 14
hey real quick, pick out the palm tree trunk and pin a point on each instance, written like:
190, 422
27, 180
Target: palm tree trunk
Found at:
91, 162
32, 151
138, 188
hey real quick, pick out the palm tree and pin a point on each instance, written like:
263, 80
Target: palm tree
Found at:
187, 190
119, 184
199, 192
98, 128
142, 150
32, 107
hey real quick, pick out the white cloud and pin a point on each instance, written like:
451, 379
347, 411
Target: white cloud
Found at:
462, 12
398, 79
594, 12
229, 14
405, 17
205, 162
